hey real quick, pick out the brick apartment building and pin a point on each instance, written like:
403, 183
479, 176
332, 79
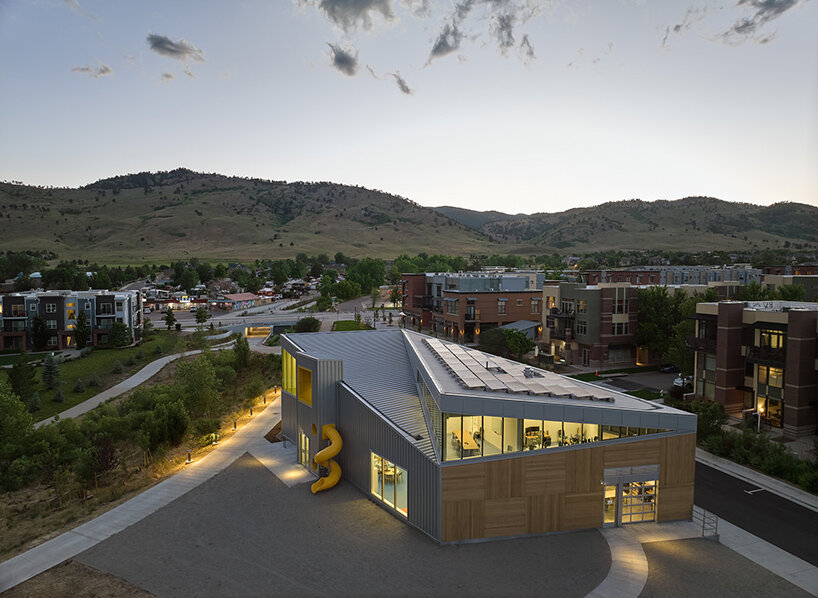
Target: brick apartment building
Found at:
760, 357
59, 310
461, 306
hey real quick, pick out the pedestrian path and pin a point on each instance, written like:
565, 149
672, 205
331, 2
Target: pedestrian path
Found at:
279, 459
146, 373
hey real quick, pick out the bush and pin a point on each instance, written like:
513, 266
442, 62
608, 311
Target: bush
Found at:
308, 324
85, 352
94, 380
58, 397
140, 355
79, 385
158, 349
206, 426
34, 402
118, 369
130, 361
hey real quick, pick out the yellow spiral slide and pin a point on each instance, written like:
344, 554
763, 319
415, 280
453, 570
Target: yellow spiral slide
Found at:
325, 456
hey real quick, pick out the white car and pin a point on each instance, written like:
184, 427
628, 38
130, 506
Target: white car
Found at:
683, 381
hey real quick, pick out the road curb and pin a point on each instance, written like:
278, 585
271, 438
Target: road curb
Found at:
778, 487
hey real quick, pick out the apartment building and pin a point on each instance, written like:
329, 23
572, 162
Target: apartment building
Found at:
759, 357
59, 310
808, 281
590, 325
460, 306
675, 275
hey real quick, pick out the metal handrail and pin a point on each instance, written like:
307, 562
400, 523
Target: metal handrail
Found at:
708, 521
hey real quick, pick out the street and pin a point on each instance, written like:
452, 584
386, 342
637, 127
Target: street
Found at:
777, 520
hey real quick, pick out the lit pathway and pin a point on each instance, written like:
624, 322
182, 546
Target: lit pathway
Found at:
147, 372
280, 460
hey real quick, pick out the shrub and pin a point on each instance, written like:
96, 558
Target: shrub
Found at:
117, 367
140, 355
158, 349
130, 361
79, 385
93, 380
206, 426
51, 373
58, 397
34, 402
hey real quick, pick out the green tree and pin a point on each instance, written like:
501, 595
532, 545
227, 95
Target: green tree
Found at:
220, 271
241, 351
308, 324
51, 373
81, 330
188, 279
375, 296
368, 273
22, 377
677, 351
16, 428
169, 318
120, 335
202, 315
517, 342
34, 403
196, 383
792, 292
659, 313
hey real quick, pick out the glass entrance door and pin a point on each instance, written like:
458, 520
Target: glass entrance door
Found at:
629, 502
609, 514
303, 449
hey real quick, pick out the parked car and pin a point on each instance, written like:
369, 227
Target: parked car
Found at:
683, 382
669, 368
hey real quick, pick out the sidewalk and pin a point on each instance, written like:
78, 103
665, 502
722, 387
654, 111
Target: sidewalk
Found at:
280, 460
783, 489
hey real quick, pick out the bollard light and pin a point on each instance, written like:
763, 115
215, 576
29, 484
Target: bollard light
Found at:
251, 412
216, 438
264, 397
234, 424
189, 460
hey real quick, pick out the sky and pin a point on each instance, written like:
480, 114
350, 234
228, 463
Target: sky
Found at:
518, 106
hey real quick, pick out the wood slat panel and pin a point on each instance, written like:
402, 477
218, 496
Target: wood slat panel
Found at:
456, 518
464, 482
583, 470
581, 511
678, 464
644, 452
504, 517
498, 479
544, 474
544, 513
675, 502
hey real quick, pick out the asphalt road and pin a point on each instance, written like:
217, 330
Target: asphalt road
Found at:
777, 520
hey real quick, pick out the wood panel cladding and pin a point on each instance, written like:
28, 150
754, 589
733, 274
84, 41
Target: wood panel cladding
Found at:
545, 492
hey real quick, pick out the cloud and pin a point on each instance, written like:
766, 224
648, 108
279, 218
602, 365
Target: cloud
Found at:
348, 14
95, 72
75, 6
345, 60
166, 76
448, 41
502, 27
762, 12
419, 8
692, 16
527, 49
189, 73
181, 50
372, 71
402, 85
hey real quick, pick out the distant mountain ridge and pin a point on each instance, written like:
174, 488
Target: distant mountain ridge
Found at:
160, 216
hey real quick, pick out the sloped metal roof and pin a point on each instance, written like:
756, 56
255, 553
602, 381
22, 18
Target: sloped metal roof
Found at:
377, 367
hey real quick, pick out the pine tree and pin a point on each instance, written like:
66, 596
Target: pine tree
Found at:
58, 398
51, 372
34, 402
81, 331
79, 386
22, 377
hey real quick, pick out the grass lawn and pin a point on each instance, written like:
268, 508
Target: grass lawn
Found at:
645, 393
12, 359
101, 362
344, 325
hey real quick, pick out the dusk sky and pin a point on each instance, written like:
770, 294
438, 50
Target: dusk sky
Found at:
495, 104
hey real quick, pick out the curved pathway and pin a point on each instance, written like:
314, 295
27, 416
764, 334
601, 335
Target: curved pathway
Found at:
147, 372
280, 460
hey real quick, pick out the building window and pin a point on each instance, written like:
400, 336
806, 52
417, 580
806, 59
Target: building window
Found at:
567, 305
88, 306
581, 327
451, 307
50, 308
33, 307
52, 341
519, 302
772, 339
287, 372
582, 306
620, 306
550, 302
535, 306
71, 314
389, 484
549, 321
304, 386
18, 310
119, 305
620, 328
105, 308
102, 339
51, 324
501, 306
432, 409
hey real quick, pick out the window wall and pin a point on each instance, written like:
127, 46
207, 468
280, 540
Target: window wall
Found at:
287, 372
471, 436
389, 483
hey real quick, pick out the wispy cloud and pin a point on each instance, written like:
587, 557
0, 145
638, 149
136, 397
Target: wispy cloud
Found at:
527, 49
95, 72
343, 59
402, 85
189, 73
372, 71
761, 12
166, 76
348, 14
181, 50
75, 6
693, 15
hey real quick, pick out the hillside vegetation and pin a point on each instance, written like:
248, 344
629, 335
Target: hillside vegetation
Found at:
689, 224
170, 215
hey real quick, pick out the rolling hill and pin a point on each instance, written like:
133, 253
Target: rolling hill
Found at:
169, 215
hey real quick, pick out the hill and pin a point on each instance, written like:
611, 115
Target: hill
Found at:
689, 224
164, 215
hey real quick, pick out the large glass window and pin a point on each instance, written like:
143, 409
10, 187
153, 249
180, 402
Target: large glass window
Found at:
472, 436
639, 501
492, 436
772, 339
533, 434
433, 409
389, 484
512, 435
287, 372
501, 306
18, 310
305, 386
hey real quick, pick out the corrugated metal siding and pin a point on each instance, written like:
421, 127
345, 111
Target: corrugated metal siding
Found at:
363, 430
288, 421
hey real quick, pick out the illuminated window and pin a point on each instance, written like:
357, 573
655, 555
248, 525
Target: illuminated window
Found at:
71, 314
582, 306
305, 386
389, 484
772, 339
288, 372
51, 324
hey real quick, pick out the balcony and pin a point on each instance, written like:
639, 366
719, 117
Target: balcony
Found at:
767, 356
566, 334
695, 343
557, 313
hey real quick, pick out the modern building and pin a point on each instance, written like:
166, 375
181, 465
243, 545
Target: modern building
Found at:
675, 275
464, 445
760, 357
590, 325
460, 306
808, 281
59, 310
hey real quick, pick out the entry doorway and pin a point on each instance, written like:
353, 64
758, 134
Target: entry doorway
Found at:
303, 449
630, 496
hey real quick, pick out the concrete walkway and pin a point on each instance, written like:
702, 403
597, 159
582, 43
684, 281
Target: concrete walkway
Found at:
146, 373
280, 460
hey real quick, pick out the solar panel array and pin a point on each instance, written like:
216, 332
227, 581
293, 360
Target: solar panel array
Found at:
479, 371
